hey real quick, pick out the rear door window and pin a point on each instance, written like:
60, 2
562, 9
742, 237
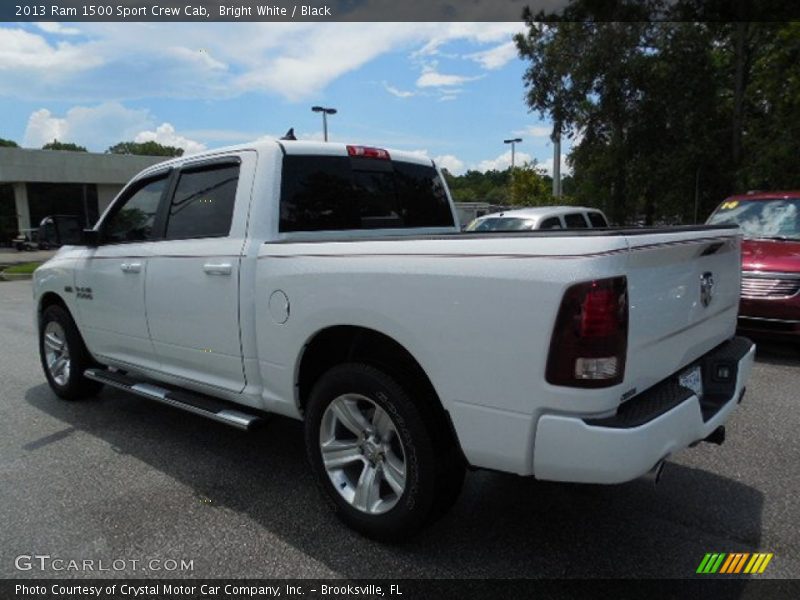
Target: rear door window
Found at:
334, 193
575, 221
202, 205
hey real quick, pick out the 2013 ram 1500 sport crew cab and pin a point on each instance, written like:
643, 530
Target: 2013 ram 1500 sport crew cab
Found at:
331, 283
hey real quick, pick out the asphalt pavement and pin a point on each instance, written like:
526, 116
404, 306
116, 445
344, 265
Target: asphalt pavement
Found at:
119, 478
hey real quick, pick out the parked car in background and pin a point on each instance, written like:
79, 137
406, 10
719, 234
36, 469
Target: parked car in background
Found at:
541, 217
770, 223
26, 239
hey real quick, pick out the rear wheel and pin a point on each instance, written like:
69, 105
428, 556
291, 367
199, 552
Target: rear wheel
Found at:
373, 454
64, 355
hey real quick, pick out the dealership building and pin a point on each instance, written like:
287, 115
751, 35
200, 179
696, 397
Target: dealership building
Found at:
38, 183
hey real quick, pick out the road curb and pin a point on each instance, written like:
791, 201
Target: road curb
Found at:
15, 276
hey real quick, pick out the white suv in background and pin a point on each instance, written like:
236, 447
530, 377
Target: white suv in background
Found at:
541, 217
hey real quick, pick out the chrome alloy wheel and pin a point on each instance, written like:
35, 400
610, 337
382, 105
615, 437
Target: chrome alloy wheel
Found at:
362, 453
56, 352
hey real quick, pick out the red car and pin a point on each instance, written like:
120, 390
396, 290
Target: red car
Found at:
770, 222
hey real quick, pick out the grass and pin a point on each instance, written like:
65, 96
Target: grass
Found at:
23, 268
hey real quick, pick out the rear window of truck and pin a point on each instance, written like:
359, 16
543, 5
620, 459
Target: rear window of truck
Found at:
334, 193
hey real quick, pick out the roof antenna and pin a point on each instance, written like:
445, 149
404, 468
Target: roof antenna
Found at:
290, 135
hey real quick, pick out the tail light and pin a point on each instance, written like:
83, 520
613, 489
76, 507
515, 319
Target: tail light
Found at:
368, 152
590, 339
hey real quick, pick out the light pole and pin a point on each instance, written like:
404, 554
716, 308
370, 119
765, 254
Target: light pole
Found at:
557, 161
325, 112
513, 143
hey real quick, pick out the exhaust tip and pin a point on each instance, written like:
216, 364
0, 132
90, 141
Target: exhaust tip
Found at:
717, 436
654, 474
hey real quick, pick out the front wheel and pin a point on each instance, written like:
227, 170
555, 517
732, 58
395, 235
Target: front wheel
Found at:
64, 356
372, 451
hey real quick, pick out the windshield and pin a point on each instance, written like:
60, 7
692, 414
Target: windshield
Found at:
501, 224
776, 219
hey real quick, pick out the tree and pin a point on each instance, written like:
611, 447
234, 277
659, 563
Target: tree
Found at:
67, 146
673, 105
476, 186
145, 149
586, 76
8, 143
772, 144
529, 186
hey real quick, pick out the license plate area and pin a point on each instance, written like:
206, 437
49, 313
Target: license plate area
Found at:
692, 378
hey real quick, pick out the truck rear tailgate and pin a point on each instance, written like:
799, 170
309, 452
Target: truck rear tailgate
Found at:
683, 296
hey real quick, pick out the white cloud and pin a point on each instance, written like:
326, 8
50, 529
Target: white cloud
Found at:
166, 135
547, 165
397, 92
502, 162
57, 28
43, 127
226, 136
444, 161
200, 58
315, 136
295, 60
482, 33
432, 78
96, 127
451, 163
99, 127
447, 98
536, 131
306, 60
22, 52
496, 57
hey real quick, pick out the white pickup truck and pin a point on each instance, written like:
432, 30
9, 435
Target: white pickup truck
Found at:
331, 283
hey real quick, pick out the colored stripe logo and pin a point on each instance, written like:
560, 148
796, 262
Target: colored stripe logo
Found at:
734, 563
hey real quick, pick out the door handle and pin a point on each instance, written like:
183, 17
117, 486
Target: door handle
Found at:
218, 268
131, 267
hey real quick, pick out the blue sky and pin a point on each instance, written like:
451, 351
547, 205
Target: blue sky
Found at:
453, 91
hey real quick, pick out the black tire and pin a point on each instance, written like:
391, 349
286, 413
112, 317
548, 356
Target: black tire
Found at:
433, 477
75, 385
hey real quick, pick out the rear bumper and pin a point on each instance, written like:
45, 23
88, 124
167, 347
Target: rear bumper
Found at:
646, 429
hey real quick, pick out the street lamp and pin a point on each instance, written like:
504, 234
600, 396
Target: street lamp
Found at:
325, 112
513, 143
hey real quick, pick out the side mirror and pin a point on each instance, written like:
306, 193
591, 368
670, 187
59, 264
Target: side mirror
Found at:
90, 237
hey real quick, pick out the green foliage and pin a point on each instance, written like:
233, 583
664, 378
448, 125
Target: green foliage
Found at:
772, 143
67, 146
474, 186
8, 143
529, 186
663, 107
23, 268
145, 149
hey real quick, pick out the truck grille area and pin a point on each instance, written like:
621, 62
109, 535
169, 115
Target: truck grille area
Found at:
769, 287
